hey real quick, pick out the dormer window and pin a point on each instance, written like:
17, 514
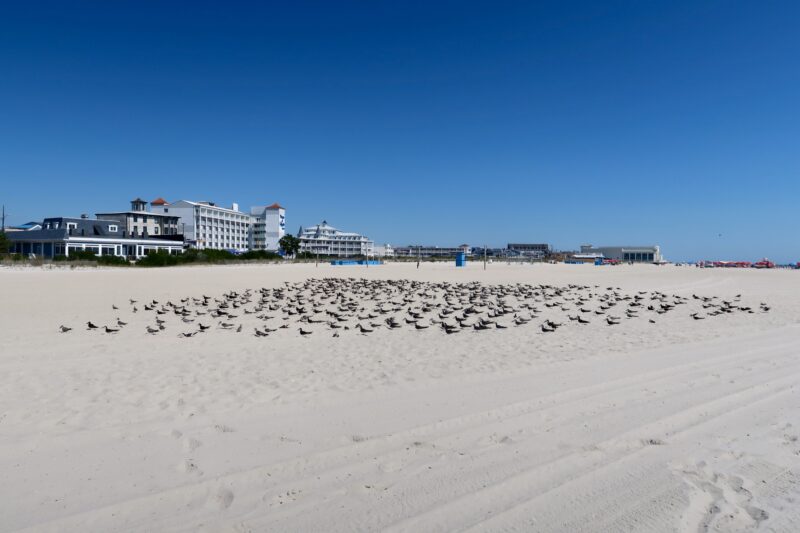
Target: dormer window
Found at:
72, 225
112, 228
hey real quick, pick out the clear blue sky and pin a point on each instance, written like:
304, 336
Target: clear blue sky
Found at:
676, 123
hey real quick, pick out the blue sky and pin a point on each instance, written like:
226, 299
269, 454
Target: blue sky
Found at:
674, 123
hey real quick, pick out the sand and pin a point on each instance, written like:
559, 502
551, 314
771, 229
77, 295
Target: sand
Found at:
681, 425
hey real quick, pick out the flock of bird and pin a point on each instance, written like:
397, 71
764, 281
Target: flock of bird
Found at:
339, 305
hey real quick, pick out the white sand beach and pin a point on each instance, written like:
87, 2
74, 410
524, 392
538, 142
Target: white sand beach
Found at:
677, 424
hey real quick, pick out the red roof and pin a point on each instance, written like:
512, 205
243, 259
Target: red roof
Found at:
276, 205
159, 201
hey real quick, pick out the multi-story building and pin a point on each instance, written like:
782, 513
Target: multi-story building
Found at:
143, 223
64, 235
632, 254
432, 251
533, 251
207, 225
383, 250
269, 225
326, 240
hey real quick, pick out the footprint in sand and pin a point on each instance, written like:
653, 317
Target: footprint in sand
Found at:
191, 445
223, 498
731, 505
188, 466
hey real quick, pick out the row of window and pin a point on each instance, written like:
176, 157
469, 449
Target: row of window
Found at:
638, 257
221, 215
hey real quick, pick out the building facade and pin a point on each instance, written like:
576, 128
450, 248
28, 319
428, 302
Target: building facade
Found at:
63, 235
626, 254
432, 251
383, 250
207, 225
326, 240
533, 251
143, 223
268, 226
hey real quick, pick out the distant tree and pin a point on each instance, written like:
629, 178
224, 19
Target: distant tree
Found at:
289, 244
5, 244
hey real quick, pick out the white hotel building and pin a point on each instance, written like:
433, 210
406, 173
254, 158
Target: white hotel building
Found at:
207, 225
269, 225
326, 240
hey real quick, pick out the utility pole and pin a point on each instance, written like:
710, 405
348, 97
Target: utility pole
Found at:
419, 252
4, 218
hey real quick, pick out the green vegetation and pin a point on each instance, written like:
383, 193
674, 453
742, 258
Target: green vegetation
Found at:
5, 244
155, 259
113, 260
162, 258
84, 256
259, 255
289, 244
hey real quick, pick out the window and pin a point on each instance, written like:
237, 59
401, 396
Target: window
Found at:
113, 228
72, 225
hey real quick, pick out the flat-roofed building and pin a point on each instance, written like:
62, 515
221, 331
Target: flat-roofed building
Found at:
269, 225
324, 239
383, 250
432, 251
531, 250
626, 254
207, 225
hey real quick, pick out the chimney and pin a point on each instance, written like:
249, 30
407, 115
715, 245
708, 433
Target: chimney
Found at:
84, 216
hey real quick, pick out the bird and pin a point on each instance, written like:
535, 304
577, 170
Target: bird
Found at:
120, 323
151, 330
89, 325
114, 307
189, 334
110, 330
64, 329
304, 331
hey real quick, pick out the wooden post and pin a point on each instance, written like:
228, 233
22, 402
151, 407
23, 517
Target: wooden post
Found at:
484, 257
